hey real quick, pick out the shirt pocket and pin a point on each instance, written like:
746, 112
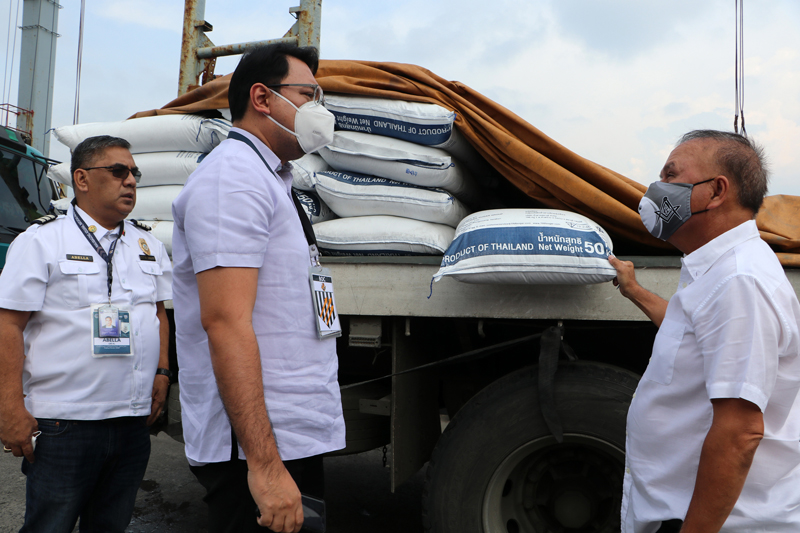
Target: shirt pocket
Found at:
75, 281
145, 290
665, 349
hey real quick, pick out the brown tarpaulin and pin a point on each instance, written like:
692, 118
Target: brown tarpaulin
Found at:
537, 165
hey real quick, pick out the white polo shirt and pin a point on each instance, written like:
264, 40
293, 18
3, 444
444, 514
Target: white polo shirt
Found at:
731, 331
60, 377
234, 213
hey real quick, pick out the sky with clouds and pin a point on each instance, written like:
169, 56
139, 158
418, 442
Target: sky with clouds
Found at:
616, 81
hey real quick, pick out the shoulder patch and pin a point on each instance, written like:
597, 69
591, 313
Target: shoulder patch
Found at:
139, 225
45, 219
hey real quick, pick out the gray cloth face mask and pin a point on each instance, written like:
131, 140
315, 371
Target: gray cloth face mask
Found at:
666, 207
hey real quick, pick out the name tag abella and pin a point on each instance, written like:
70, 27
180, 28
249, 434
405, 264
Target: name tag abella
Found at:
111, 325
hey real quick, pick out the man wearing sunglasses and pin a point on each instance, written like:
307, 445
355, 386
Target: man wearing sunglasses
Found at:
259, 391
87, 392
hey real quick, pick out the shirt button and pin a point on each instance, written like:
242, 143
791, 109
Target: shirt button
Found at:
634, 395
123, 280
627, 470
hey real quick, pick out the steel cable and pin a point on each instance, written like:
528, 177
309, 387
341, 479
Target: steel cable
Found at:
13, 53
739, 67
78, 73
8, 40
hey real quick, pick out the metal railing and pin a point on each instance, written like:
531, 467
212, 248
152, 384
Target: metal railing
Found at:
199, 55
7, 110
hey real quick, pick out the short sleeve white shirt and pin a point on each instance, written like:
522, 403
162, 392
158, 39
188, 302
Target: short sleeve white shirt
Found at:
730, 331
233, 212
60, 377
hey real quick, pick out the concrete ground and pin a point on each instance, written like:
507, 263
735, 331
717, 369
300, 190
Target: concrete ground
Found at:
170, 498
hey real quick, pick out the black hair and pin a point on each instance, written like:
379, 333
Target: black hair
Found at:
740, 159
268, 65
91, 148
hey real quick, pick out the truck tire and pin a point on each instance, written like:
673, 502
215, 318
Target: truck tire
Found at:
498, 469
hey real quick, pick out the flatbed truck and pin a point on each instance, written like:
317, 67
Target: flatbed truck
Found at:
520, 404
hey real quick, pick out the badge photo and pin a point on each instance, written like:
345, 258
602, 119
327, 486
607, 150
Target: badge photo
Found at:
109, 321
111, 331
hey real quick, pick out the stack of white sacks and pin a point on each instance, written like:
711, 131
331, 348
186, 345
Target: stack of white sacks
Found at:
400, 180
396, 175
166, 148
392, 182
395, 181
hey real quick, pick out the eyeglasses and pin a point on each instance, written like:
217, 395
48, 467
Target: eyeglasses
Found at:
120, 171
318, 97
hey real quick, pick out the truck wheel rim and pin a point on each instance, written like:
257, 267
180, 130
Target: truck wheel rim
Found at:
544, 486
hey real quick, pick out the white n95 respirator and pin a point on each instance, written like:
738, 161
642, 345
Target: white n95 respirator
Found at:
313, 125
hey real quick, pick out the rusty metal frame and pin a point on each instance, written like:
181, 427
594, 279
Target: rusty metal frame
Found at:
199, 54
17, 112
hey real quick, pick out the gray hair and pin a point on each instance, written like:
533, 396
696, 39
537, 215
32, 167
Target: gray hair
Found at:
91, 148
742, 161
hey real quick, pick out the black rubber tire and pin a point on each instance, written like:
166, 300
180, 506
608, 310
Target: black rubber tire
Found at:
498, 469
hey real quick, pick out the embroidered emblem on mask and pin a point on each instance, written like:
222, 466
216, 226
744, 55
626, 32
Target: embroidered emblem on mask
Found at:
668, 210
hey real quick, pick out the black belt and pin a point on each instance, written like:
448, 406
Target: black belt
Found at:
119, 420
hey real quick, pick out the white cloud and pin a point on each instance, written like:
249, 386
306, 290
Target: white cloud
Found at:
615, 81
154, 14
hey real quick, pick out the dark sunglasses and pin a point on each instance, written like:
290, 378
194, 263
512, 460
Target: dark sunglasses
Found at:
120, 171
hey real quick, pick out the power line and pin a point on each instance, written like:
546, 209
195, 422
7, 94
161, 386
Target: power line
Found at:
739, 67
8, 37
35, 55
13, 53
78, 75
51, 63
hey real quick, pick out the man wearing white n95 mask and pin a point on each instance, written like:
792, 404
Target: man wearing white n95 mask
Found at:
714, 428
259, 391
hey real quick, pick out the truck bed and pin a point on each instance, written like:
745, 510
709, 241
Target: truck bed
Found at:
399, 286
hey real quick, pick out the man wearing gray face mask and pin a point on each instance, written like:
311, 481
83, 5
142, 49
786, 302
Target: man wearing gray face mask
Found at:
714, 427
260, 398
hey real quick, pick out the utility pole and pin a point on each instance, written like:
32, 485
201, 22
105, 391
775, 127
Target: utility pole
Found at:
199, 55
37, 70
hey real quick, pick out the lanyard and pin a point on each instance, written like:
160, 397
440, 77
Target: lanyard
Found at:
307, 229
98, 247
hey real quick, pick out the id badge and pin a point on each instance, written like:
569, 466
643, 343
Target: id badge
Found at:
327, 318
111, 331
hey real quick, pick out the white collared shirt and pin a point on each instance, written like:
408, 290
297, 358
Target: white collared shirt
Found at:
731, 331
53, 271
234, 213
